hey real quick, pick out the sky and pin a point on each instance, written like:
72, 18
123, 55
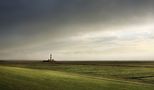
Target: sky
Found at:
77, 29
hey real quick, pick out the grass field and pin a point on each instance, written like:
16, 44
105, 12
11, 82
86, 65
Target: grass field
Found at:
77, 76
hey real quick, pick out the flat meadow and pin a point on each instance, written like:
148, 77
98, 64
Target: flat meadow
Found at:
86, 75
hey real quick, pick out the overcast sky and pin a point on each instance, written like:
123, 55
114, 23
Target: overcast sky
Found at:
77, 29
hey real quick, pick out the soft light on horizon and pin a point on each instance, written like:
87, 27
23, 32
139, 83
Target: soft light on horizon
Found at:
77, 30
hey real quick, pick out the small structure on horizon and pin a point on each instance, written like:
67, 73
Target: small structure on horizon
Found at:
50, 59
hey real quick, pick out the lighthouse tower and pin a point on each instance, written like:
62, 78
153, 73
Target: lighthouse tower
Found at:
51, 58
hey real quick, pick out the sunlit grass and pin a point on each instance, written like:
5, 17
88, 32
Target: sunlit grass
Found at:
13, 78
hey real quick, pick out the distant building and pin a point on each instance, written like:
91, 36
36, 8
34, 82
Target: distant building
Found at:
50, 59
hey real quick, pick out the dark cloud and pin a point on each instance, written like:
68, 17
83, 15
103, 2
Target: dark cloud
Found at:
18, 11
25, 22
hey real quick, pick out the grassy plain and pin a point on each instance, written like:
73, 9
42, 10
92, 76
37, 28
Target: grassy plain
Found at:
77, 76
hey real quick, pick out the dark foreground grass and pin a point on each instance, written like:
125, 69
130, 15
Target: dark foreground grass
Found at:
77, 76
15, 78
142, 72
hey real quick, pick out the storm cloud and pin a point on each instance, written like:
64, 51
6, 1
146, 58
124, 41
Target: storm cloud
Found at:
77, 29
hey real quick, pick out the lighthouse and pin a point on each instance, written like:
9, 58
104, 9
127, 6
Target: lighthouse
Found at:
51, 58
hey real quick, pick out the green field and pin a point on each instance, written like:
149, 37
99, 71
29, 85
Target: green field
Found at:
77, 76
